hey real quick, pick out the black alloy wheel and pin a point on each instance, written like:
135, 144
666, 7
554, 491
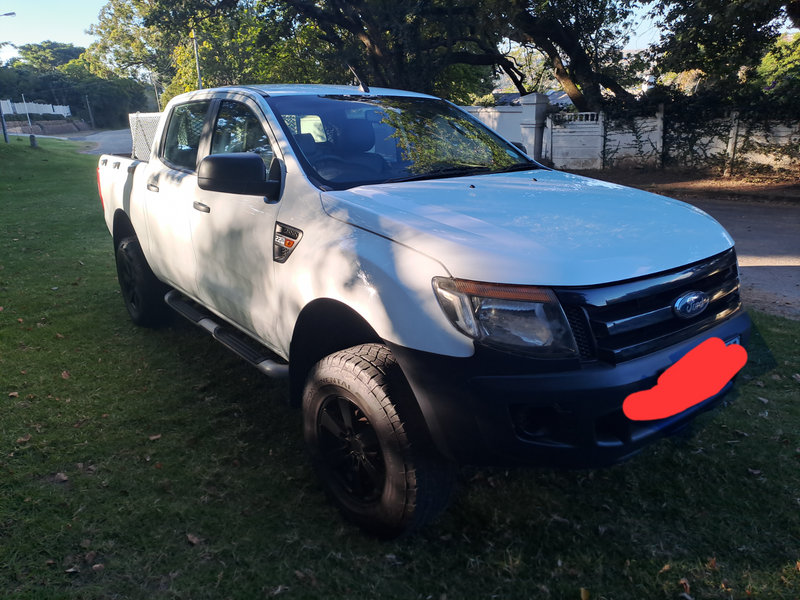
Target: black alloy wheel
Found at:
369, 443
141, 290
350, 447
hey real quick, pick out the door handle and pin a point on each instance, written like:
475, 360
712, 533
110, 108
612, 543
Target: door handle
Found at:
201, 207
152, 187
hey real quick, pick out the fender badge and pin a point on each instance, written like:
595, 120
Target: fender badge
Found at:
286, 240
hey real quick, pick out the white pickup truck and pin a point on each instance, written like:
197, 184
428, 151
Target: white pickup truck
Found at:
433, 295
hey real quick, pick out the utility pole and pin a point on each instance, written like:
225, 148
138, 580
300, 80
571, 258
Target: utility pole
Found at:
27, 114
155, 89
89, 108
197, 61
3, 119
2, 116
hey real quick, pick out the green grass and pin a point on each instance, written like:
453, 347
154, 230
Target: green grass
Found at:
720, 509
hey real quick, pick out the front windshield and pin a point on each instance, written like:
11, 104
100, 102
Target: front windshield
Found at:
346, 141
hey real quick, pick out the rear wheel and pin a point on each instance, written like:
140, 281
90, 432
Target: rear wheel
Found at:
369, 443
142, 291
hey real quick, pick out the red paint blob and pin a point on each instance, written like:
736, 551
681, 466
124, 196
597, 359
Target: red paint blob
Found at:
698, 376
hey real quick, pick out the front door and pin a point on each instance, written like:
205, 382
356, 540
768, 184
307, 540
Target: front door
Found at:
233, 234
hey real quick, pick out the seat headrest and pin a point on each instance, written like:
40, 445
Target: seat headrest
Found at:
307, 144
357, 136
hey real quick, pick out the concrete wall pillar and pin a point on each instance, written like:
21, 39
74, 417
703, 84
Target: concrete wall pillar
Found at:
534, 114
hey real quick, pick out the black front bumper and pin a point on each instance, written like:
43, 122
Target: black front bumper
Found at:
497, 408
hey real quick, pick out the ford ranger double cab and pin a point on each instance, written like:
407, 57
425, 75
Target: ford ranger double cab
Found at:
433, 295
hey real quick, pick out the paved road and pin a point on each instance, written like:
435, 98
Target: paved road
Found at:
107, 142
767, 236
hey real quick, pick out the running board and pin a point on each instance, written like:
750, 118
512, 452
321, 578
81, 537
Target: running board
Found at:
228, 337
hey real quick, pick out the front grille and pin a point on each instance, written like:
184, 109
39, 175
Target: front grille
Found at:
636, 317
580, 330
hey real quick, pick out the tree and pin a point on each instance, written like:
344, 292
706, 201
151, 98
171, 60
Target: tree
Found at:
718, 37
47, 56
405, 44
112, 98
583, 40
252, 42
432, 46
536, 68
793, 12
126, 47
777, 78
69, 84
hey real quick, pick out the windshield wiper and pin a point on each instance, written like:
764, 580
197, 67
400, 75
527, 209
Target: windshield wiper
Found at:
441, 173
458, 171
531, 166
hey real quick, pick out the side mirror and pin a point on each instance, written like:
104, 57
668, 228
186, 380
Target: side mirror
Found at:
520, 146
238, 173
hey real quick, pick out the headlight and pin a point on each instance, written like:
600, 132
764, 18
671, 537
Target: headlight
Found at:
515, 317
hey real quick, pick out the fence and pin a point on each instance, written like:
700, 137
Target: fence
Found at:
593, 141
34, 108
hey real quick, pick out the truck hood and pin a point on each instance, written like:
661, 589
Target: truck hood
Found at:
534, 227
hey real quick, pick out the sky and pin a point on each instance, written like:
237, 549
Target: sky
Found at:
40, 20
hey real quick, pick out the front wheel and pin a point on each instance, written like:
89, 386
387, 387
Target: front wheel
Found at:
369, 443
142, 291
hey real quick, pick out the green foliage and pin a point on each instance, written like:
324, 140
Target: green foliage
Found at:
462, 84
69, 84
779, 71
45, 117
47, 56
429, 47
256, 43
535, 67
583, 40
126, 47
719, 37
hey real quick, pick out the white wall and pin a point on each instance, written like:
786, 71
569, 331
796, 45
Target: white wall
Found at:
505, 120
637, 145
585, 141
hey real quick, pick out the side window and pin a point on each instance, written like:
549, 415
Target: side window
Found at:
183, 134
238, 130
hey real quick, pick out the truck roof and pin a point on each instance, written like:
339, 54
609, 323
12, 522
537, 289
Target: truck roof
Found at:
300, 89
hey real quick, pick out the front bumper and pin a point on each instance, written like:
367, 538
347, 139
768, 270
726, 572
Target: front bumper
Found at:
497, 408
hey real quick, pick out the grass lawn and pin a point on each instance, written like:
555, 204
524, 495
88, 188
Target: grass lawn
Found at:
137, 463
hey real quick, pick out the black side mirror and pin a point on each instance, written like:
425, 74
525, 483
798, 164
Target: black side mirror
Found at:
238, 173
520, 146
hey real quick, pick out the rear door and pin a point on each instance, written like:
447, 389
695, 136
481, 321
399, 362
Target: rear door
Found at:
233, 234
172, 192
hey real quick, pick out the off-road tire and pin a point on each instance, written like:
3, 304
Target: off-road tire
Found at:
142, 292
382, 469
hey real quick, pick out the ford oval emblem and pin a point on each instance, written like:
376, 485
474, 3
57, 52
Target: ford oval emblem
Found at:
690, 304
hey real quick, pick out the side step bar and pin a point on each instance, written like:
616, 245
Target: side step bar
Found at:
228, 337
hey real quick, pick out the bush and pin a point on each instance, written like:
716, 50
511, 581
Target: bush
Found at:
47, 117
24, 118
